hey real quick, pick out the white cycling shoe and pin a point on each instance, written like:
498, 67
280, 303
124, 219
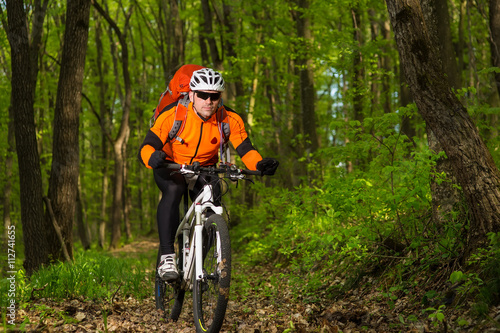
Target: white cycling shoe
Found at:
167, 269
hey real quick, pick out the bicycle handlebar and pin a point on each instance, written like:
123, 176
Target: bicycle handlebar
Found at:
228, 169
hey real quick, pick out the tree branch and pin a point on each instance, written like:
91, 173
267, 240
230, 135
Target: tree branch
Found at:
57, 228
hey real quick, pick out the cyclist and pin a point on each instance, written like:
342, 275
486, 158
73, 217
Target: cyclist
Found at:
201, 138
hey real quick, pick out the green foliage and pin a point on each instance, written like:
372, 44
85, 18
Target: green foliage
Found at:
345, 221
484, 283
93, 275
353, 227
436, 315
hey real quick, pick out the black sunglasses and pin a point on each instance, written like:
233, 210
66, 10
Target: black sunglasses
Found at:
205, 95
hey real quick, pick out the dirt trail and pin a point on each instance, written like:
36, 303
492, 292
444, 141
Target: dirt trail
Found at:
137, 247
259, 306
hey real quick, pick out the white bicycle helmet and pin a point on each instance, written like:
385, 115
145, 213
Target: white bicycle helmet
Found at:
207, 79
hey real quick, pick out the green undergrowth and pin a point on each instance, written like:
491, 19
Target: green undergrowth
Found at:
94, 275
324, 250
371, 229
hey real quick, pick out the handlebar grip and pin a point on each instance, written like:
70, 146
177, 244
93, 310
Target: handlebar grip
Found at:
173, 166
251, 172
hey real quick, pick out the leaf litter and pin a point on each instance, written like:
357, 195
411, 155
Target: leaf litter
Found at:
257, 304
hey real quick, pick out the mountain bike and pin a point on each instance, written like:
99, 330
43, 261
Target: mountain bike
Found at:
203, 253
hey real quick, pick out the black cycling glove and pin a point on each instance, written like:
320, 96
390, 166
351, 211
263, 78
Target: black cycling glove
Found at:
157, 159
268, 166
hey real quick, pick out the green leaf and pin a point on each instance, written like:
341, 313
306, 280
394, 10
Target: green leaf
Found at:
489, 70
456, 276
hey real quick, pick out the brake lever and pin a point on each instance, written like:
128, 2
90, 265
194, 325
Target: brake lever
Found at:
242, 178
249, 179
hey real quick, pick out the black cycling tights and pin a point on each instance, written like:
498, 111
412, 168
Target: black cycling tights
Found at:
173, 187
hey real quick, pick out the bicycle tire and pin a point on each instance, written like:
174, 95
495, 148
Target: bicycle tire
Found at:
168, 296
211, 294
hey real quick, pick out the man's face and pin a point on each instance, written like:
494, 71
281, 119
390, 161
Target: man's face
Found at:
205, 102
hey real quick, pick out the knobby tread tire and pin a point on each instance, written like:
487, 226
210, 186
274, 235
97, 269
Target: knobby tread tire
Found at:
211, 295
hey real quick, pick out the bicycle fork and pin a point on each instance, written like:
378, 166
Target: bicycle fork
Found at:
198, 243
193, 260
193, 251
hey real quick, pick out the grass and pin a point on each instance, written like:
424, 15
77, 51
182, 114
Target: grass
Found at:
94, 275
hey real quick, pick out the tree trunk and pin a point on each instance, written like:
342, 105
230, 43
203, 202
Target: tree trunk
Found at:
380, 86
169, 36
495, 61
9, 163
63, 183
103, 117
445, 196
495, 39
255, 84
81, 220
304, 68
36, 37
471, 66
177, 43
408, 122
208, 34
127, 195
140, 128
102, 219
229, 42
120, 142
30, 177
437, 18
281, 143
7, 189
304, 64
472, 163
358, 76
117, 208
358, 80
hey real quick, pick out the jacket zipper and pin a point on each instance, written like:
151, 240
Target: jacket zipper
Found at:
198, 146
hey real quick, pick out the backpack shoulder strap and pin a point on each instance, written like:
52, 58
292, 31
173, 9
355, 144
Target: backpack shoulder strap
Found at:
158, 111
225, 132
223, 122
179, 121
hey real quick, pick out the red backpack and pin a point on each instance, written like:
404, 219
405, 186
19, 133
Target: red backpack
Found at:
177, 91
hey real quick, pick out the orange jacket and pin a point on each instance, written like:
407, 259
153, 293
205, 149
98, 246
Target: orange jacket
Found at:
201, 139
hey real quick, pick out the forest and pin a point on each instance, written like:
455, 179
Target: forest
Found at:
383, 216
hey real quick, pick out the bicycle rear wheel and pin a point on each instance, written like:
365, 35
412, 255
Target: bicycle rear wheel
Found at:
211, 294
168, 296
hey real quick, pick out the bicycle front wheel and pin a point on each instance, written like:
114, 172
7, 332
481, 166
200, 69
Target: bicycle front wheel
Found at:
211, 293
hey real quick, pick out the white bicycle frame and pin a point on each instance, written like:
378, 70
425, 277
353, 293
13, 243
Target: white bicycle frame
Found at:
192, 260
